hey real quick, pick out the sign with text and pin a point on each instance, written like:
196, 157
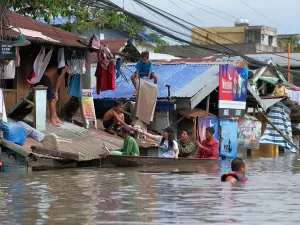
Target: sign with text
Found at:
232, 91
88, 109
7, 51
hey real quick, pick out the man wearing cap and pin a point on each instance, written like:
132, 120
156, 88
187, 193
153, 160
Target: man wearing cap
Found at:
130, 146
280, 90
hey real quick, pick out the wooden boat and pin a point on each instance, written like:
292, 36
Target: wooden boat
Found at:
135, 161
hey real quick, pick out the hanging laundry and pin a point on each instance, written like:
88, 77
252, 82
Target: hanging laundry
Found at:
40, 64
294, 95
105, 77
146, 101
118, 68
75, 88
9, 70
61, 58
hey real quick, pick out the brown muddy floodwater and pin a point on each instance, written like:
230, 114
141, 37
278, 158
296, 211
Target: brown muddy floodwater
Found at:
185, 195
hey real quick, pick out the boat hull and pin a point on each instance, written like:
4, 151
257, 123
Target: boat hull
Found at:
136, 161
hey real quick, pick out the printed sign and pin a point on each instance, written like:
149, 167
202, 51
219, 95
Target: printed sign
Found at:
249, 133
228, 138
232, 91
87, 104
7, 51
12, 162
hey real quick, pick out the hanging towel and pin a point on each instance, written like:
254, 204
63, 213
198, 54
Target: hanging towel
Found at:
105, 77
40, 64
146, 101
9, 70
61, 58
75, 89
3, 116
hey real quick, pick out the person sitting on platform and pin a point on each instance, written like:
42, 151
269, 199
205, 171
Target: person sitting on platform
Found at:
280, 90
130, 147
187, 148
143, 70
168, 146
113, 117
52, 79
208, 148
239, 169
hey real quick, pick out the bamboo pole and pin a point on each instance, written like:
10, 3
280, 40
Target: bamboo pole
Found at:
289, 62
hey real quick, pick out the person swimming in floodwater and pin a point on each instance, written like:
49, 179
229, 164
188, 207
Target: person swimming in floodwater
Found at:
239, 169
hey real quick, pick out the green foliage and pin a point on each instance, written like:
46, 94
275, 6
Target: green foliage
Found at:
85, 18
294, 42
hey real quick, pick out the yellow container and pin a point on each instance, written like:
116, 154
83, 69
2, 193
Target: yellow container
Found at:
266, 150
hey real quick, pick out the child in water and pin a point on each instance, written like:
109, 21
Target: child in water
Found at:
239, 169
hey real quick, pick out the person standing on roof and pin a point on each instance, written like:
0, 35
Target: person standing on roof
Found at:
280, 90
144, 69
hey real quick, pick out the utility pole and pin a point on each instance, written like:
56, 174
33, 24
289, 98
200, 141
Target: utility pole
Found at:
289, 62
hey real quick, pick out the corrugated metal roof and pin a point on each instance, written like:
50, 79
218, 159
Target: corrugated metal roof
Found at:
185, 81
50, 34
280, 59
274, 81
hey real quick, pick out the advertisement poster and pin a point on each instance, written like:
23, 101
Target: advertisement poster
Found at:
12, 162
249, 133
228, 140
88, 104
205, 122
232, 91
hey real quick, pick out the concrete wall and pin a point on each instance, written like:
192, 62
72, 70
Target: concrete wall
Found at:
233, 34
186, 51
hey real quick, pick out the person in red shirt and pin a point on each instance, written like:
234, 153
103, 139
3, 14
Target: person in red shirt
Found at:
208, 148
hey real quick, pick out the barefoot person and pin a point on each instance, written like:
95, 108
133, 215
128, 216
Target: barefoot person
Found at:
143, 70
113, 117
52, 79
239, 169
168, 146
130, 147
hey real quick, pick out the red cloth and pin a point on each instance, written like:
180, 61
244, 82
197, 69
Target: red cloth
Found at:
105, 77
209, 150
294, 88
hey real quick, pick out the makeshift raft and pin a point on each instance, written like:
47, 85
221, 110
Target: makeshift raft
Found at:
135, 161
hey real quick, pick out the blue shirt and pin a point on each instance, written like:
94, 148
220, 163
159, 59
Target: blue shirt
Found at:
144, 68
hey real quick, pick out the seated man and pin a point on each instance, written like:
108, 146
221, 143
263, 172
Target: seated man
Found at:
130, 146
143, 70
280, 90
113, 117
239, 169
52, 79
186, 146
209, 148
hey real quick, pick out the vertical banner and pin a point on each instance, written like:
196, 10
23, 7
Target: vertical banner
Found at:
228, 139
87, 107
205, 122
232, 91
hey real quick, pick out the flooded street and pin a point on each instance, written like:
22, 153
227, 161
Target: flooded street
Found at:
186, 195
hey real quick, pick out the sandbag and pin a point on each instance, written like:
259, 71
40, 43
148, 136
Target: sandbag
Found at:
14, 133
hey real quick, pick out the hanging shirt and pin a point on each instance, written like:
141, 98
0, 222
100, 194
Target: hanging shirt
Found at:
280, 92
144, 68
164, 150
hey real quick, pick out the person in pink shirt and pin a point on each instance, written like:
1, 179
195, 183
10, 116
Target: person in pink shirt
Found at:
208, 148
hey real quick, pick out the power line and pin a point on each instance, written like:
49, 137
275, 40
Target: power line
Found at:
214, 9
262, 14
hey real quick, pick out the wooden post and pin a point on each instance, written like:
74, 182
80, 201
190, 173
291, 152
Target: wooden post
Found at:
207, 103
40, 108
289, 62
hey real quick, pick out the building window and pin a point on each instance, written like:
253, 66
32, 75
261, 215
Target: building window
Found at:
271, 39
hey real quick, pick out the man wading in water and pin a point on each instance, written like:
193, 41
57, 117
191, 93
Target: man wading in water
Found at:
239, 169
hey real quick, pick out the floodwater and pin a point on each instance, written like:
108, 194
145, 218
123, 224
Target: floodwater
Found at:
185, 195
